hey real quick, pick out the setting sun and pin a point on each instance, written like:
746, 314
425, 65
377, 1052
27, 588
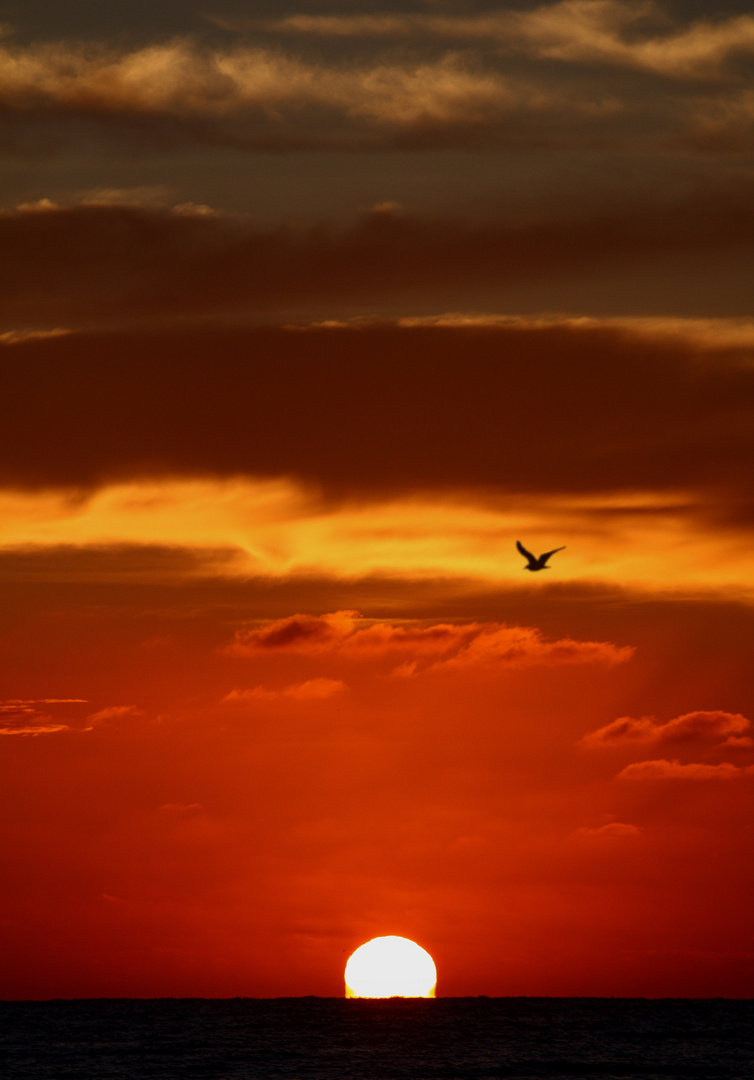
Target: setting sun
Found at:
390, 967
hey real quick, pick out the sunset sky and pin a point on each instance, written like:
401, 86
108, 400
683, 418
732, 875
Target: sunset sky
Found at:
310, 310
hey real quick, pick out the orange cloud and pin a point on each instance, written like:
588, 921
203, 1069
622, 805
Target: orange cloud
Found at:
16, 337
37, 728
708, 726
309, 690
674, 770
115, 712
417, 647
268, 488
21, 718
698, 334
44, 701
613, 830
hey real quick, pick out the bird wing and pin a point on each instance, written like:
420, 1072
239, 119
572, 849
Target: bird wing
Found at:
526, 554
543, 558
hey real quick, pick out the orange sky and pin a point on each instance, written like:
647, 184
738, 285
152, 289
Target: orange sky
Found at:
252, 720
306, 318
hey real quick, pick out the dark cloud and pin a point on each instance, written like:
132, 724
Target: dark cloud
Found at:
296, 631
94, 264
519, 407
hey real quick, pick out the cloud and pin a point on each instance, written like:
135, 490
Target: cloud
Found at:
37, 728
310, 690
635, 34
553, 76
13, 337
674, 770
411, 451
297, 633
168, 264
613, 830
43, 701
115, 712
707, 726
595, 31
127, 561
415, 648
280, 530
723, 123
140, 195
699, 334
253, 96
514, 646
21, 718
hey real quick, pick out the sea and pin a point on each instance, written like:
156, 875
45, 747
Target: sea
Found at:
393, 1039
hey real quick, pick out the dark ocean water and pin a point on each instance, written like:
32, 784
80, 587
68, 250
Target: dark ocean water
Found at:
334, 1039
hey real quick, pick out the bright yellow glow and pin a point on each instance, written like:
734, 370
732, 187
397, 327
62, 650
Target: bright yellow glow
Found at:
390, 967
276, 528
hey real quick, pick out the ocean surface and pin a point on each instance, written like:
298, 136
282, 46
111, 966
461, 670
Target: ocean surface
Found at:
335, 1039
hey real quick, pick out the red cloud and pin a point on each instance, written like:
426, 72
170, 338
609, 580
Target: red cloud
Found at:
21, 718
115, 712
310, 690
674, 770
415, 647
713, 726
607, 832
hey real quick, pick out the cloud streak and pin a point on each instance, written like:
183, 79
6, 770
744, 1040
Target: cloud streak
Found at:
609, 32
22, 717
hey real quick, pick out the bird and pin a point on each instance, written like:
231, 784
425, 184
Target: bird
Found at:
534, 563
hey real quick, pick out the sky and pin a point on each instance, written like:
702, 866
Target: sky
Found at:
308, 313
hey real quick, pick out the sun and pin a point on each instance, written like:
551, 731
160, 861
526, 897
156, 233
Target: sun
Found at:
390, 967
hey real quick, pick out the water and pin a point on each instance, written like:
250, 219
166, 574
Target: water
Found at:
334, 1039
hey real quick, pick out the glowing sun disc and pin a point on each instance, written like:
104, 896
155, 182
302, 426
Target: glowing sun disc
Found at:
390, 967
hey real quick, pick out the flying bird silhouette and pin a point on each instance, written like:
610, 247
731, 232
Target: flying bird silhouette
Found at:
534, 562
